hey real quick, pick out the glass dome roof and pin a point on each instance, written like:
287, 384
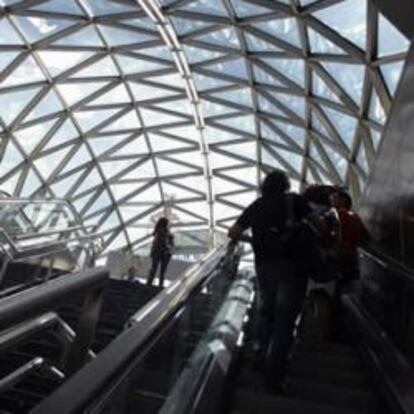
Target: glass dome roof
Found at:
136, 109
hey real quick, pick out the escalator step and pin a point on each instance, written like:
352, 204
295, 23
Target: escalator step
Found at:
333, 395
247, 402
316, 360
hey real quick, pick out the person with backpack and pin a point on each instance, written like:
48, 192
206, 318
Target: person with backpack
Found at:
161, 250
282, 279
353, 234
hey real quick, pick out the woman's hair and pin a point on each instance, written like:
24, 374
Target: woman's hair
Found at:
162, 223
276, 182
345, 198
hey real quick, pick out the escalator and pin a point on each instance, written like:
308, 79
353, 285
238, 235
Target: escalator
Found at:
329, 378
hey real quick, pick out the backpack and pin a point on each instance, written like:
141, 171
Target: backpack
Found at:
302, 241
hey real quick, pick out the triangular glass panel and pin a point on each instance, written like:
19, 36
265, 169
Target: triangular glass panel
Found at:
318, 125
376, 138
362, 159
59, 6
243, 123
112, 168
235, 68
189, 132
160, 143
111, 222
8, 36
294, 69
100, 203
350, 77
150, 195
47, 164
127, 122
245, 149
130, 65
137, 146
226, 37
119, 37
242, 96
184, 25
295, 103
36, 28
178, 193
392, 74
266, 105
104, 67
215, 134
257, 44
30, 138
320, 88
261, 76
84, 37
204, 83
144, 172
162, 52
270, 135
100, 8
65, 133
315, 155
211, 109
245, 174
320, 44
80, 203
117, 95
143, 92
348, 18
31, 184
57, 61
27, 72
11, 158
344, 124
248, 9
48, 105
338, 162
390, 40
295, 133
293, 159
167, 167
92, 180
103, 144
153, 118
6, 58
15, 102
285, 29
172, 79
181, 106
75, 92
118, 242
91, 119
81, 157
9, 186
307, 2
205, 6
197, 54
62, 187
376, 110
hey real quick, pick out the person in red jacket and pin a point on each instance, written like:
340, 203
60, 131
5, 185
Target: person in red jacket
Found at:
353, 234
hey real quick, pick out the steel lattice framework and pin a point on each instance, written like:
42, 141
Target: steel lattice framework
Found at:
134, 108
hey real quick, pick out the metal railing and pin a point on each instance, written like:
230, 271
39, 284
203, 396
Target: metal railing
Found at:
90, 389
33, 229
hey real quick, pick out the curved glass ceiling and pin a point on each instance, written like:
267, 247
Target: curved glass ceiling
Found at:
134, 109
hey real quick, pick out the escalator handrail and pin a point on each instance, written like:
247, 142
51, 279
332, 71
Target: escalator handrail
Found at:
388, 263
47, 296
95, 381
394, 370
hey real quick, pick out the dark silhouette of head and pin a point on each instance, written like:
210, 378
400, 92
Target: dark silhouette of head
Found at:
276, 183
341, 199
320, 194
161, 224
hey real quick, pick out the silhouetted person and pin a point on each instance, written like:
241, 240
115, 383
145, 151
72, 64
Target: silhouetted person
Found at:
161, 250
353, 234
282, 280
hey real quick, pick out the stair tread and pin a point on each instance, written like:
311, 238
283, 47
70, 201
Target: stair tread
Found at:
247, 402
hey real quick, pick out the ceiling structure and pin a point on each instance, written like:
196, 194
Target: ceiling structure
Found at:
132, 109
